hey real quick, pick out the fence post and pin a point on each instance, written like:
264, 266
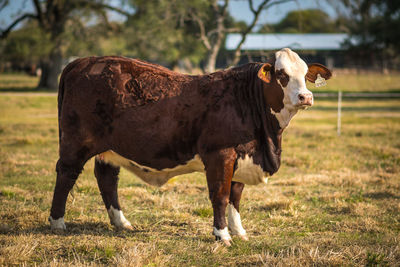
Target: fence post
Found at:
339, 120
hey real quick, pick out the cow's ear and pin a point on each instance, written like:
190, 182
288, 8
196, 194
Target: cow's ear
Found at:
265, 73
314, 69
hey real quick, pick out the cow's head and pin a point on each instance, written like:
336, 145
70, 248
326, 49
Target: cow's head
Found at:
286, 80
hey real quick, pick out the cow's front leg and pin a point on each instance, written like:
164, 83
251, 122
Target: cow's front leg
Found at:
234, 221
219, 171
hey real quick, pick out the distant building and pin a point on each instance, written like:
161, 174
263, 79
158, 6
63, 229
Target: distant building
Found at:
313, 47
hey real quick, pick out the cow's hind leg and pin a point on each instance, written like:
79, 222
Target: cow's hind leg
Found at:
67, 173
107, 179
234, 220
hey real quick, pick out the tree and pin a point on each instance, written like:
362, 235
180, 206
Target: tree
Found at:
303, 21
162, 31
159, 31
264, 5
212, 33
52, 17
373, 26
25, 47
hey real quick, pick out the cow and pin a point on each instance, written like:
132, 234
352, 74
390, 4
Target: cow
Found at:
158, 124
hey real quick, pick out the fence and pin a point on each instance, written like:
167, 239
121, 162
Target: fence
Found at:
340, 95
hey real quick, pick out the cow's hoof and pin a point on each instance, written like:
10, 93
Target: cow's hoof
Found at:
58, 224
223, 236
124, 227
243, 237
226, 242
118, 219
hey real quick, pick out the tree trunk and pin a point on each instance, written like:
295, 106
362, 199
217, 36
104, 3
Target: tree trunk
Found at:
51, 69
237, 54
211, 60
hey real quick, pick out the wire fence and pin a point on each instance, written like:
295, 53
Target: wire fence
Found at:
358, 95
340, 95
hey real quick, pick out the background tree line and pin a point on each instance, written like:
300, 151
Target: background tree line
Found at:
188, 34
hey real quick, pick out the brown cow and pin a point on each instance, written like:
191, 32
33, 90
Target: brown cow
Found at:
158, 124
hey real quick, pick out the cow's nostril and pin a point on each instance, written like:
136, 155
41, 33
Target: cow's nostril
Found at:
301, 98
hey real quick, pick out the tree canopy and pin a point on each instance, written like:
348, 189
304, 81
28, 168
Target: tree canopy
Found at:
303, 21
26, 46
374, 31
59, 20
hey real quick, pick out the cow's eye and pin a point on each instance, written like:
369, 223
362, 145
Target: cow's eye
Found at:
279, 75
283, 78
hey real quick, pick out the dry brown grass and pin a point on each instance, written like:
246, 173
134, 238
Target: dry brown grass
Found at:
335, 200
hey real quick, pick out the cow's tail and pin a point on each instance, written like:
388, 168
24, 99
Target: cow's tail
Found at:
61, 89
60, 100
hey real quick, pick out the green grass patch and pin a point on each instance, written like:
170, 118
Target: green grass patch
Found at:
17, 82
203, 212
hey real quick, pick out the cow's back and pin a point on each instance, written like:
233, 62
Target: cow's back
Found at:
133, 82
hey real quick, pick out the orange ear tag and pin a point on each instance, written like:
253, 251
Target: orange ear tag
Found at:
320, 81
267, 75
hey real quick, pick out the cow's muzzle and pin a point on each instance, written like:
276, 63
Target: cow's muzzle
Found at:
305, 100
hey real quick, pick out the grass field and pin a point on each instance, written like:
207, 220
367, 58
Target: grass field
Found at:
335, 200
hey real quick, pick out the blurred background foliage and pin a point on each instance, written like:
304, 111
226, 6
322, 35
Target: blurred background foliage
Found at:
185, 34
305, 21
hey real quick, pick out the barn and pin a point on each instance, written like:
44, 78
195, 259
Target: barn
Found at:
326, 48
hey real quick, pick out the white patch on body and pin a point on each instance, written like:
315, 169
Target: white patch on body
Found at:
118, 219
296, 69
57, 224
249, 173
234, 222
150, 175
223, 234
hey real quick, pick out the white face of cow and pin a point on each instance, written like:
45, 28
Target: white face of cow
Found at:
296, 94
290, 73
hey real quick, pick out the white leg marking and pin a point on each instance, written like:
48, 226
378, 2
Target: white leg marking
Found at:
235, 223
118, 219
57, 224
223, 234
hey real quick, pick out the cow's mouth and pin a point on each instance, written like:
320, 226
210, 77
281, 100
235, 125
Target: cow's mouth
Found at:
304, 105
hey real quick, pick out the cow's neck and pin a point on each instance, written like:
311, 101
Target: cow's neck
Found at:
284, 116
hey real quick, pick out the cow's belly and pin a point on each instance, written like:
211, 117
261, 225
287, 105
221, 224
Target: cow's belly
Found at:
247, 172
148, 174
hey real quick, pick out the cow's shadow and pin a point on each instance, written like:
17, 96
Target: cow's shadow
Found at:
381, 195
100, 229
77, 229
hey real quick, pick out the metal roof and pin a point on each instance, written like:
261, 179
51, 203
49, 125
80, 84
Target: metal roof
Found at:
274, 41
